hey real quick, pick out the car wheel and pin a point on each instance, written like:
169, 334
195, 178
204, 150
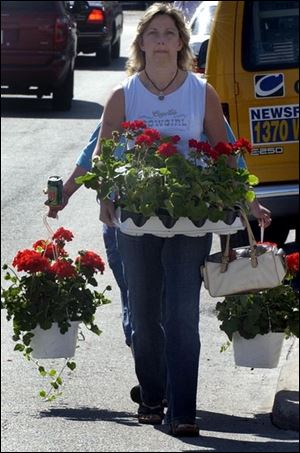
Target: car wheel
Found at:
104, 55
115, 50
63, 95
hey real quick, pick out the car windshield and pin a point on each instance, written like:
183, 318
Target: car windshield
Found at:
202, 23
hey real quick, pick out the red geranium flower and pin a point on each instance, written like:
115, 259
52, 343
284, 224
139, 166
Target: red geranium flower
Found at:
204, 147
31, 261
63, 269
292, 262
243, 145
175, 139
91, 260
153, 133
63, 235
193, 143
49, 249
144, 139
134, 125
223, 148
166, 149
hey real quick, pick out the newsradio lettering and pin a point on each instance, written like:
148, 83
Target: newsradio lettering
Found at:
274, 124
276, 112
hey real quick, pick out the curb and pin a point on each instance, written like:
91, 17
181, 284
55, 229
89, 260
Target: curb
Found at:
285, 411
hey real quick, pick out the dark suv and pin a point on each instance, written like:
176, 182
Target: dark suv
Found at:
38, 50
99, 28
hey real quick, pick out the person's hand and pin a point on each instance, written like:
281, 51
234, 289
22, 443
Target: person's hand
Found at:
53, 210
262, 214
107, 212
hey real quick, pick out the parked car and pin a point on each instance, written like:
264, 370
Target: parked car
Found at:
38, 50
201, 24
99, 28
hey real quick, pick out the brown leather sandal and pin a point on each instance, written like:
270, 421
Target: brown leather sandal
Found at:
184, 430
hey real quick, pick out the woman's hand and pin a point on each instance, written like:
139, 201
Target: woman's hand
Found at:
262, 214
107, 212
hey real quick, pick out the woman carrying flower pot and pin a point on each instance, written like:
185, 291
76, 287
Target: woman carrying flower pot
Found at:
163, 92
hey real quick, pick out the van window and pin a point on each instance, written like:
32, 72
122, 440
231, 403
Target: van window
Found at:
270, 35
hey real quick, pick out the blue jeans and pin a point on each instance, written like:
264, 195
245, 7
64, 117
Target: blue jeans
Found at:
115, 263
156, 269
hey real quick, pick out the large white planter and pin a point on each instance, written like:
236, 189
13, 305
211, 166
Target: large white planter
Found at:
51, 344
262, 351
183, 225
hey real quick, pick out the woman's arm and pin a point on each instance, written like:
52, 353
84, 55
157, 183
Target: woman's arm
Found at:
113, 116
214, 126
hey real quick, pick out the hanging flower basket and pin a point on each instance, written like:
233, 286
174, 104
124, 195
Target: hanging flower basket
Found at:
49, 299
262, 351
52, 344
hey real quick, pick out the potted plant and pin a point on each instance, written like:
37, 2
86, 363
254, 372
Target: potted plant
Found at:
257, 322
153, 179
52, 296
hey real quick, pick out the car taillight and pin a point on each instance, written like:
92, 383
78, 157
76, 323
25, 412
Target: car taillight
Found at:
60, 33
96, 16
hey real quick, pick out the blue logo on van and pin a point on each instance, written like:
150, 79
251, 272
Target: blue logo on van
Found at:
269, 85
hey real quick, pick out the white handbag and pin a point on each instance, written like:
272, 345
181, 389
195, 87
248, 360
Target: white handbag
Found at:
244, 269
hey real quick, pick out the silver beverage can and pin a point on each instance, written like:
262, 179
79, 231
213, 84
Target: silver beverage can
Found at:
55, 191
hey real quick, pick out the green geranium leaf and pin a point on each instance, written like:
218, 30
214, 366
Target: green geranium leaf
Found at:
71, 365
19, 347
250, 196
253, 180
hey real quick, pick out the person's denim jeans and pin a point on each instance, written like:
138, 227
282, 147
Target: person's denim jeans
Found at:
152, 266
115, 263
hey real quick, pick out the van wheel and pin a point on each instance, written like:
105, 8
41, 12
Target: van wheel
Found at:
63, 95
115, 50
104, 55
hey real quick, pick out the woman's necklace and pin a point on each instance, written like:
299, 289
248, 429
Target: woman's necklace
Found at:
161, 95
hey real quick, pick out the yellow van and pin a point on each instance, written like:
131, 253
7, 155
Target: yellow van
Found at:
252, 61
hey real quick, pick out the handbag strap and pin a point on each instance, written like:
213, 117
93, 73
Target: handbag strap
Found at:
252, 243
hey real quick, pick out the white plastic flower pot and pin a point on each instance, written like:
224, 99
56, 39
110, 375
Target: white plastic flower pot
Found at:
51, 344
262, 351
137, 225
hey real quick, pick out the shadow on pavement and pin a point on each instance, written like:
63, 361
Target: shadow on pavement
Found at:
89, 63
222, 424
92, 414
25, 107
208, 421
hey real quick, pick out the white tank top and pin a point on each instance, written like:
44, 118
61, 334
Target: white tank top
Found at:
179, 113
